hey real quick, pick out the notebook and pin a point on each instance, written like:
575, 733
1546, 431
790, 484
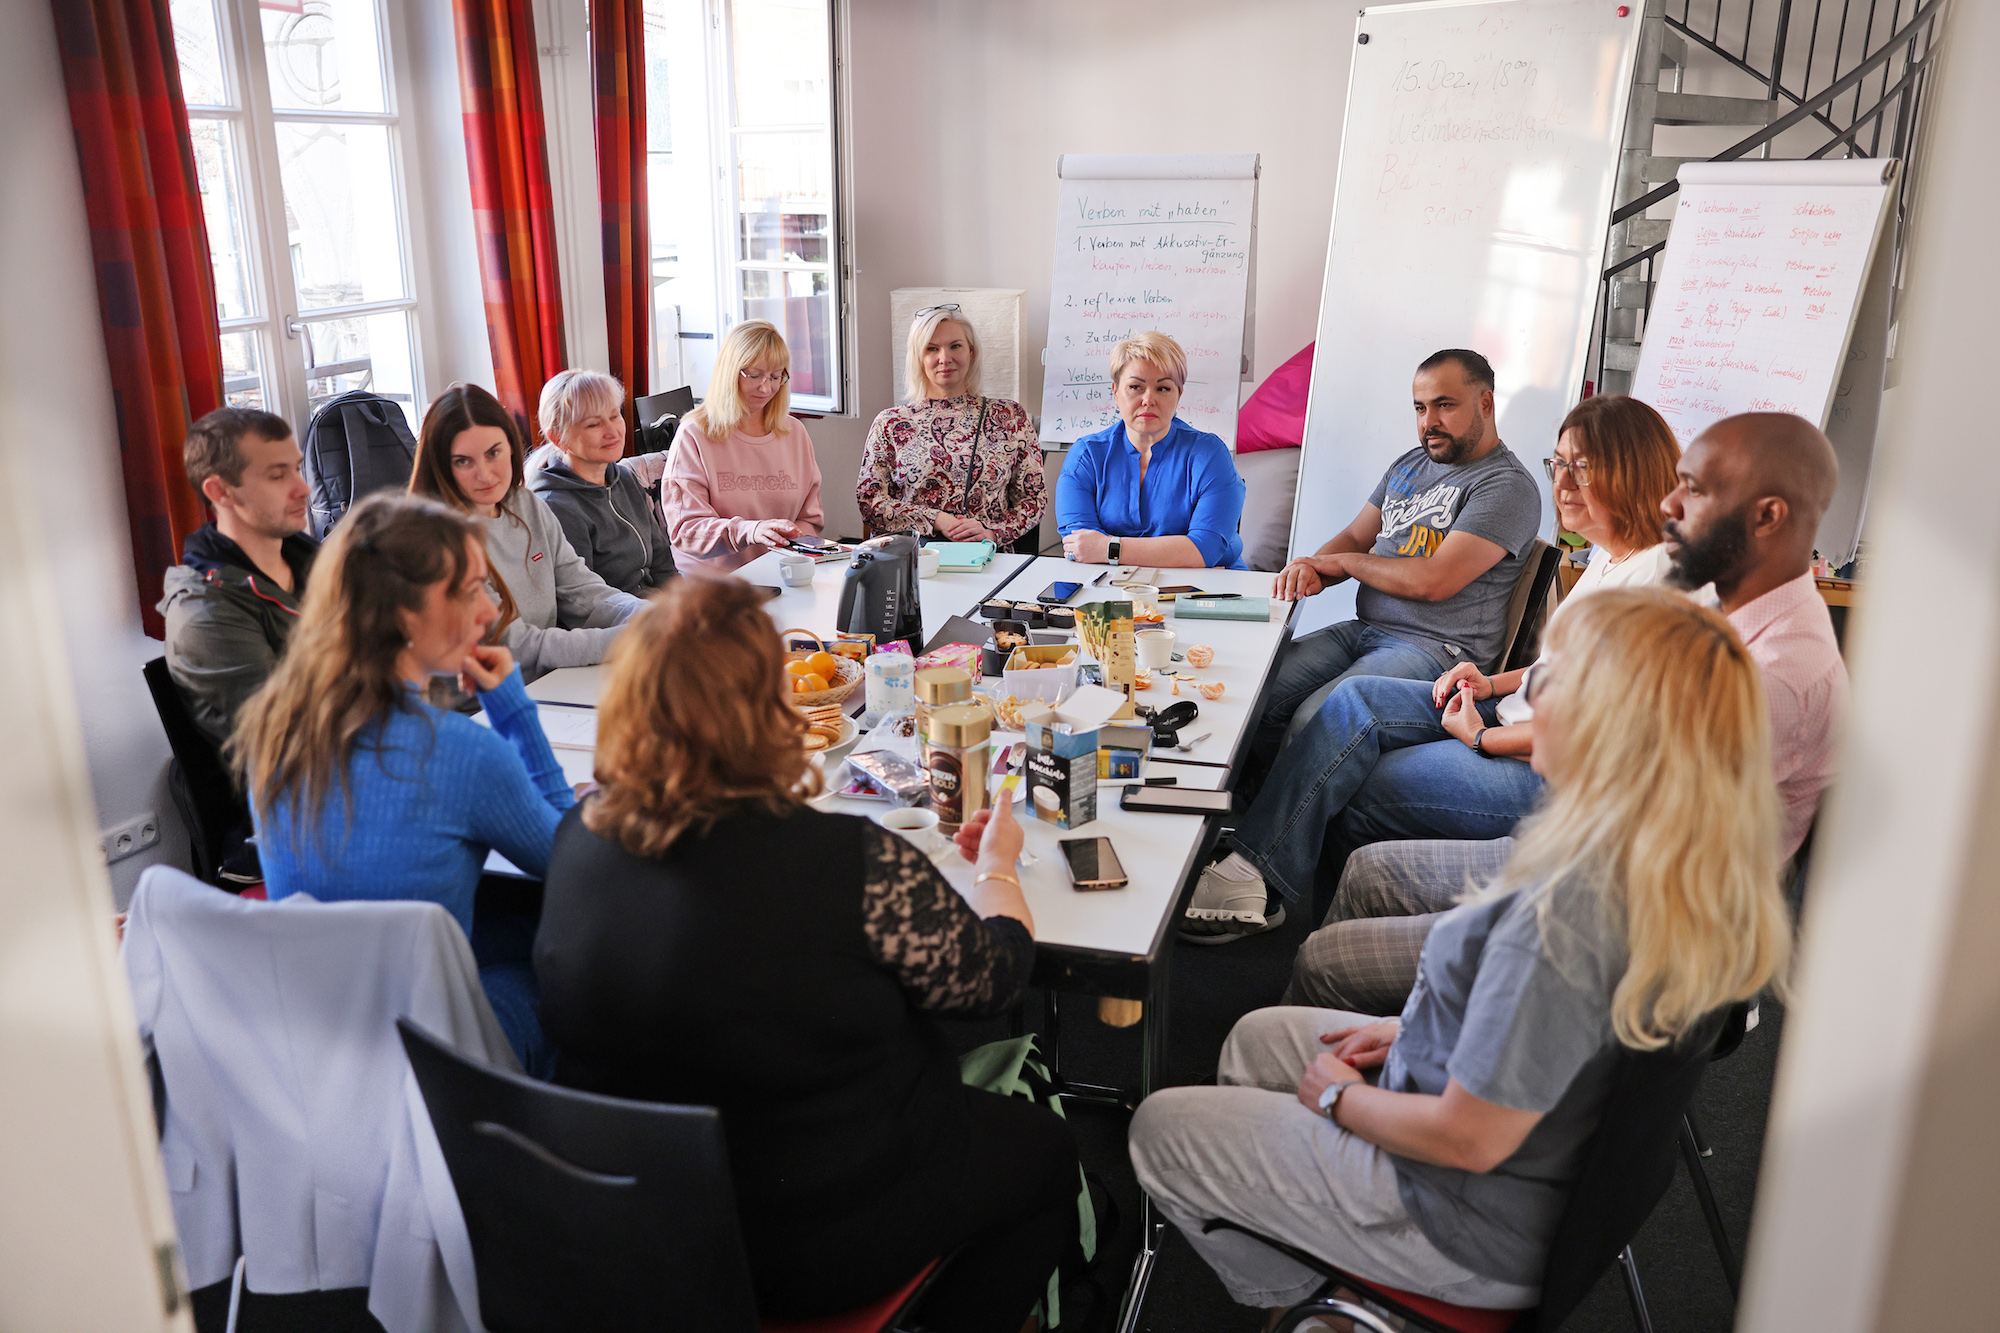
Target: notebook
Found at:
1222, 608
963, 557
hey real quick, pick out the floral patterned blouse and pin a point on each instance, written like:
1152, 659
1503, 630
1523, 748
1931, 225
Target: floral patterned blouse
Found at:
920, 462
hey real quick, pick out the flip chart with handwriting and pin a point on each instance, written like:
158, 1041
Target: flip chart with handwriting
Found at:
1143, 243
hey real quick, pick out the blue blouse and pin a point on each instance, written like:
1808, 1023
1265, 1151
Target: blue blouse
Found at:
1192, 490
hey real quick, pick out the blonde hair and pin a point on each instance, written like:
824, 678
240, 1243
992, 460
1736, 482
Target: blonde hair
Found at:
694, 723
750, 342
1155, 347
1665, 807
572, 395
922, 330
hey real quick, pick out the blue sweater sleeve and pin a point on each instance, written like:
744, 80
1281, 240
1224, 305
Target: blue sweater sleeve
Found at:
522, 796
1218, 506
1076, 490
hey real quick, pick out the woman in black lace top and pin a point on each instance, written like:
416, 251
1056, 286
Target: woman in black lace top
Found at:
709, 939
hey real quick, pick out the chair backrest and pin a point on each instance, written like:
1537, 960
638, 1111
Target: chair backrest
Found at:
1526, 604
586, 1211
355, 445
1628, 1165
214, 807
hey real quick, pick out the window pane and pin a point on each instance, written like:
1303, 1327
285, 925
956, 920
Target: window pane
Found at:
200, 53
361, 352
323, 55
222, 208
689, 293
783, 182
783, 69
801, 304
340, 213
242, 374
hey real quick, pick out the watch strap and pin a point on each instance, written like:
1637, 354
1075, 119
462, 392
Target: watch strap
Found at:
1329, 1097
1113, 552
1479, 741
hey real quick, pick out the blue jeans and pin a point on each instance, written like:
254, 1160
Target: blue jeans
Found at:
1310, 667
1377, 749
503, 944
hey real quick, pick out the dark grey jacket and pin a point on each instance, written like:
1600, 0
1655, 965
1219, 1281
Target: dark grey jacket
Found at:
227, 622
614, 527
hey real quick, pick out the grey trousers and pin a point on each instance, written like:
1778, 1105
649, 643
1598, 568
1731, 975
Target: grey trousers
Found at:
1248, 1151
1364, 957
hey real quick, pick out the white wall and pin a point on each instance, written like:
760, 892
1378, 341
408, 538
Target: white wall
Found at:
959, 109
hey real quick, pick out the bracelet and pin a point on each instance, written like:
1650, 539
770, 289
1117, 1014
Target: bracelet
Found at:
1000, 875
1478, 739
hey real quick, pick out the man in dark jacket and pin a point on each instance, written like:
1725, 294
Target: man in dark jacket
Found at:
232, 601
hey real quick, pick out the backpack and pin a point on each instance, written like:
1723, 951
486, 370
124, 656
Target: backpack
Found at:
357, 444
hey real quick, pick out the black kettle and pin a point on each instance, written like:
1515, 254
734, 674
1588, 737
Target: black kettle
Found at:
880, 596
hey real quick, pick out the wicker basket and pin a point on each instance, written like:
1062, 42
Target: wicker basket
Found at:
846, 681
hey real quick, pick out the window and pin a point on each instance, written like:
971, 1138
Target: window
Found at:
293, 116
743, 189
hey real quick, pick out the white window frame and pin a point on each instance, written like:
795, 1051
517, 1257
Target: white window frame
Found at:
280, 324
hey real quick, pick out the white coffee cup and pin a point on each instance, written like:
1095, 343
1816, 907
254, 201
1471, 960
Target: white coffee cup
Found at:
927, 561
918, 825
1154, 648
797, 571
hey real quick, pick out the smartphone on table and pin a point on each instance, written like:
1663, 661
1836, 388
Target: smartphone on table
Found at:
1179, 590
1093, 863
1057, 593
1176, 800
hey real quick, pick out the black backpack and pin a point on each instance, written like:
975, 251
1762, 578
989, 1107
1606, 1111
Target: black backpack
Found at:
357, 444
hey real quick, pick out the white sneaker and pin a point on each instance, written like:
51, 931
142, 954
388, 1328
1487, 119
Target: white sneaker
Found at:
1228, 904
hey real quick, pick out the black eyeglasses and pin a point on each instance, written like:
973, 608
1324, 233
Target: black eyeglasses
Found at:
1579, 470
930, 310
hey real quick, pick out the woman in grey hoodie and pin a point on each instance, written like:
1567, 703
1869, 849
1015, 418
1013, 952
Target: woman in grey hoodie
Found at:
602, 500
470, 455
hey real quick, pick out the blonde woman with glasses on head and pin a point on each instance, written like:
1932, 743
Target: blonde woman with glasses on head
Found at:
949, 462
743, 479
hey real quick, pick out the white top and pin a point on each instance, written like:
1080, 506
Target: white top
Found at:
1647, 568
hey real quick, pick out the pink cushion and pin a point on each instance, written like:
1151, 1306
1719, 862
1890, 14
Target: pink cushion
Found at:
1275, 416
1465, 1318
870, 1318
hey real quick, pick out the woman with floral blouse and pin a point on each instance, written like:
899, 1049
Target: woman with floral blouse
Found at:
950, 463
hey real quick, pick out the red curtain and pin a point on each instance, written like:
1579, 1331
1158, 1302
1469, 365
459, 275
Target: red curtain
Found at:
149, 245
506, 149
618, 50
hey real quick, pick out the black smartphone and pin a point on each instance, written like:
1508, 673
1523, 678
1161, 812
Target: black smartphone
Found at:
1093, 863
1057, 593
1179, 590
1176, 800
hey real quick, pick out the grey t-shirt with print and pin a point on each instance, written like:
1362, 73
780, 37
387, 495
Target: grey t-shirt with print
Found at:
1523, 1022
1423, 502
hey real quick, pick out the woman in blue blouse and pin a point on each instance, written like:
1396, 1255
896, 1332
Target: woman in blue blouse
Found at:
359, 787
1150, 489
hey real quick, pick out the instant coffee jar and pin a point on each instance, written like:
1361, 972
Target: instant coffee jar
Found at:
936, 688
960, 745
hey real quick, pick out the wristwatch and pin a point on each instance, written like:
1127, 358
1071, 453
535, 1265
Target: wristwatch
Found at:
1331, 1097
1111, 557
1479, 741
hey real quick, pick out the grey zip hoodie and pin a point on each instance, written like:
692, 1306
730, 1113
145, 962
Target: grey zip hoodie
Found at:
614, 527
568, 615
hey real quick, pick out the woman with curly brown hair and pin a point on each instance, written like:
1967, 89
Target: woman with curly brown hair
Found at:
707, 937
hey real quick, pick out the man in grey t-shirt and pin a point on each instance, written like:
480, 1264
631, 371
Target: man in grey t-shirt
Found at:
1437, 550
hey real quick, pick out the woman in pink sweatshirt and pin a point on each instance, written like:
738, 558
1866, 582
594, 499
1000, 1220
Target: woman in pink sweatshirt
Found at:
743, 477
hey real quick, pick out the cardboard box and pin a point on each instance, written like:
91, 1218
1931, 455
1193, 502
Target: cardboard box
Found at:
1052, 684
1061, 766
1122, 750
1105, 630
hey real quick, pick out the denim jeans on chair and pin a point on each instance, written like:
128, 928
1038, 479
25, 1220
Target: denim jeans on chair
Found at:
1378, 742
1310, 667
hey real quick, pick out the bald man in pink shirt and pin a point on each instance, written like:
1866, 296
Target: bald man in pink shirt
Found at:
1740, 530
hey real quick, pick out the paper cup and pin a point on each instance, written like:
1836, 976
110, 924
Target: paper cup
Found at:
927, 561
1154, 648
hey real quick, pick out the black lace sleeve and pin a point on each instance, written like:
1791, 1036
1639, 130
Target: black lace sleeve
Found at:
948, 959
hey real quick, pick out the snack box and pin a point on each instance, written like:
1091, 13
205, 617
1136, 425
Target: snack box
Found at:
1052, 683
857, 646
1122, 749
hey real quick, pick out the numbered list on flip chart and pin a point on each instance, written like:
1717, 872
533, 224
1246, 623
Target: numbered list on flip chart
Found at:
1752, 309
1133, 256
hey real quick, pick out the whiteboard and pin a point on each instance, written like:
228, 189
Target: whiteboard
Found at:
1476, 172
1757, 309
1162, 241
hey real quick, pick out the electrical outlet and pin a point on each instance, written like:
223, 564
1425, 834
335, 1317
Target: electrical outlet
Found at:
134, 835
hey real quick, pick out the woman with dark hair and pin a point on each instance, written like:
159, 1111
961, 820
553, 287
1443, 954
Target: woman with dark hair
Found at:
470, 455
362, 789
709, 938
1445, 758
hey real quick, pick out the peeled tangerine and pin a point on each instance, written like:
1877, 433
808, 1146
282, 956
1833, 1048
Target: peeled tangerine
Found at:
1199, 655
1210, 689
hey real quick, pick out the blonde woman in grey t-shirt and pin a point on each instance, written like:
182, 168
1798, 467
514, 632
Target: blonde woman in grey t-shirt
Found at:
1642, 897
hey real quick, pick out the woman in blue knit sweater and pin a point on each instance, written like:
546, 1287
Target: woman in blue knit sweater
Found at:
362, 789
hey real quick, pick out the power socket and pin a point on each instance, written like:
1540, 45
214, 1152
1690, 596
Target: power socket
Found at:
134, 835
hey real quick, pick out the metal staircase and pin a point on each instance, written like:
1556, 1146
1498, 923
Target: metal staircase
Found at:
1840, 78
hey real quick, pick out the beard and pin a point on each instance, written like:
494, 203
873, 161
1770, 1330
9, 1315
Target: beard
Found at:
1714, 555
1449, 449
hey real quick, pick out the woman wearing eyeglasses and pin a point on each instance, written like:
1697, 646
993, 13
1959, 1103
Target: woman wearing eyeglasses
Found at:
743, 477
949, 462
1445, 758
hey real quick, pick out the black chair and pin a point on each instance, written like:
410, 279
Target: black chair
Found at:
204, 790
1627, 1167
1526, 604
594, 1212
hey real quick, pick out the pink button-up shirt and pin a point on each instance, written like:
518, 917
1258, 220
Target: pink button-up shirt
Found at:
1790, 637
